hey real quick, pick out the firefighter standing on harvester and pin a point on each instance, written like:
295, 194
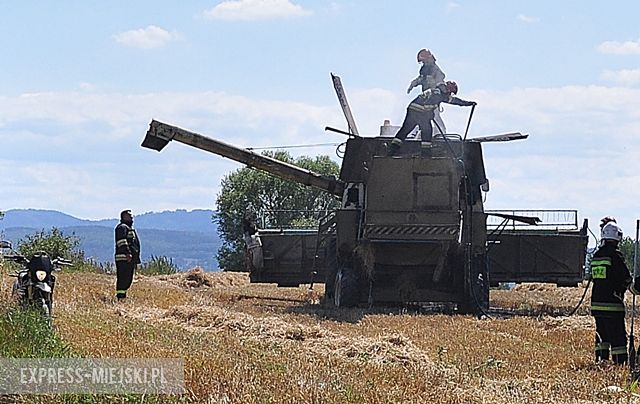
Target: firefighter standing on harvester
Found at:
611, 278
429, 77
420, 112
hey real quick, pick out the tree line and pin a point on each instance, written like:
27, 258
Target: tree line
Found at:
278, 203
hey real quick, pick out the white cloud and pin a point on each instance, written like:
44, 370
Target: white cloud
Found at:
251, 10
89, 142
86, 86
581, 153
151, 37
452, 5
627, 77
527, 19
335, 6
620, 48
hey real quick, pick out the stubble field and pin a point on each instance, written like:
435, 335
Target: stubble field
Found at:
247, 343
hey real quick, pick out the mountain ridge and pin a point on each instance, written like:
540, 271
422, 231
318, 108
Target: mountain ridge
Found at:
189, 238
179, 219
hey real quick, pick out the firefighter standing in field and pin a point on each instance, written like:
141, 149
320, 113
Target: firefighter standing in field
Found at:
127, 253
420, 112
610, 280
253, 251
429, 77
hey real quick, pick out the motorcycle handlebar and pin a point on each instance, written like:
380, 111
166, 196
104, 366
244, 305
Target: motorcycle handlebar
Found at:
16, 258
21, 259
62, 262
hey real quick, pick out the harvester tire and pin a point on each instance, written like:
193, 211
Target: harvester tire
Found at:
346, 293
476, 296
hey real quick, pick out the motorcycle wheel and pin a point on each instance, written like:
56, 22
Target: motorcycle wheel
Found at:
46, 308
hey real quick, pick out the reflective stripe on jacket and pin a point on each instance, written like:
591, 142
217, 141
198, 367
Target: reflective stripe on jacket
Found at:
430, 99
610, 280
127, 243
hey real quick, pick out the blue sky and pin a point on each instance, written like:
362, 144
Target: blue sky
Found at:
82, 79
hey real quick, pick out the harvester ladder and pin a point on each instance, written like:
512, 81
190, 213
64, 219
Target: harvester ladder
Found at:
326, 229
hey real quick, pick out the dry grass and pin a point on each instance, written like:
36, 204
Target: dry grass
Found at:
246, 343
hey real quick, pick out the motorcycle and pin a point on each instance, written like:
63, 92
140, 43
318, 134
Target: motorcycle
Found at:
35, 283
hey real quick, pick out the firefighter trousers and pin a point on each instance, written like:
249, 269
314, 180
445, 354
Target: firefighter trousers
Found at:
611, 336
124, 277
413, 118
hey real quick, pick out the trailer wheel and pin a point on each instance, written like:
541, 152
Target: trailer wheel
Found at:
346, 291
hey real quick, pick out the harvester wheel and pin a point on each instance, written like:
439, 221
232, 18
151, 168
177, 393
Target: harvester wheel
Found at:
476, 296
346, 292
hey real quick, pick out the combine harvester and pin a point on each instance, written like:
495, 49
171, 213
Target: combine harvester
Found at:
411, 228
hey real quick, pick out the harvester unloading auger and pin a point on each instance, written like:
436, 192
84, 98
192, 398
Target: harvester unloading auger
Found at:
411, 228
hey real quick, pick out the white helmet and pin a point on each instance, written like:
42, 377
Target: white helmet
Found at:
611, 231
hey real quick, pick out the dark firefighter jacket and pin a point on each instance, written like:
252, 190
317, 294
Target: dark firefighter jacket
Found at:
610, 280
430, 99
430, 76
127, 243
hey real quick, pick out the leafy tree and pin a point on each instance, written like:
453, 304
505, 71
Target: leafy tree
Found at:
279, 203
54, 243
627, 247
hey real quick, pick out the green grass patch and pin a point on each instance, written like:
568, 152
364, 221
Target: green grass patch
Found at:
158, 266
26, 333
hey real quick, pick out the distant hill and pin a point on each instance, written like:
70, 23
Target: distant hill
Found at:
182, 220
38, 219
189, 238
